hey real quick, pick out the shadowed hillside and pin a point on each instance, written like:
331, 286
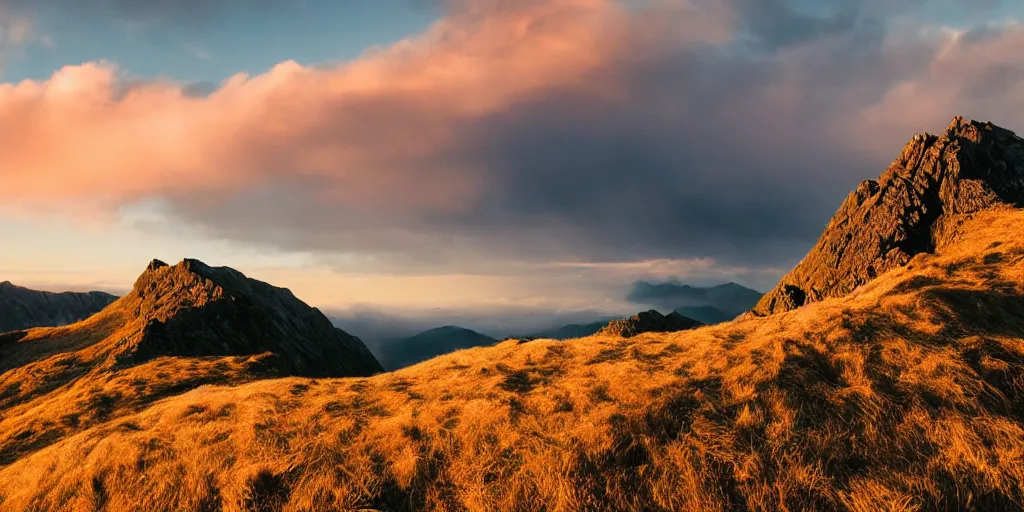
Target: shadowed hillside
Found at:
21, 308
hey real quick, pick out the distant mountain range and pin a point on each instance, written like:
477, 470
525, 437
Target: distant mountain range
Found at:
22, 308
571, 331
404, 352
709, 305
709, 315
400, 353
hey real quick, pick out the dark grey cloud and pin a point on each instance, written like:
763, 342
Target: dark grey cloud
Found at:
703, 159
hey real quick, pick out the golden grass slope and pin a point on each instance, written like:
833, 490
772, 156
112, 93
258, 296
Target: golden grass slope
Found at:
904, 395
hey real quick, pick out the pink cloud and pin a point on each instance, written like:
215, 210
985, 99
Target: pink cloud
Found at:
367, 130
977, 73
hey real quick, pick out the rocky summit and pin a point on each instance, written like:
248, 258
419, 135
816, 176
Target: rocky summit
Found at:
648, 321
182, 327
910, 209
22, 308
192, 309
195, 310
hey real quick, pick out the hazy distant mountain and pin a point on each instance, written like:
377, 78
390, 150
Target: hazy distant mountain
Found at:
706, 314
377, 327
570, 331
22, 308
726, 301
425, 345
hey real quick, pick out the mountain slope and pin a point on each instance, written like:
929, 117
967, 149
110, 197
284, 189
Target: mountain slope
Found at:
908, 210
907, 394
180, 327
425, 345
22, 308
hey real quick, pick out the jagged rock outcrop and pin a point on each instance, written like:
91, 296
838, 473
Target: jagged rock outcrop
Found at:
22, 308
649, 321
192, 309
972, 166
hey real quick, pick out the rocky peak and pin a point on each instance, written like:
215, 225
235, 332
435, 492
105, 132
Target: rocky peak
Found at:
649, 321
883, 223
155, 264
193, 309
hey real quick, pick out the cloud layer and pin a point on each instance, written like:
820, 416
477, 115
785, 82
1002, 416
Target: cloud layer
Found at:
525, 131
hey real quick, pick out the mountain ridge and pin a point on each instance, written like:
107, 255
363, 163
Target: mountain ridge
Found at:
23, 308
731, 299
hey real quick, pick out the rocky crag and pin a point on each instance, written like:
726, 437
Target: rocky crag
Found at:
192, 309
908, 210
195, 310
649, 321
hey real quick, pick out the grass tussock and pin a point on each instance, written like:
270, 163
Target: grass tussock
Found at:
905, 395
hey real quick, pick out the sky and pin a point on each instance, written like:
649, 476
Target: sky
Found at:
410, 156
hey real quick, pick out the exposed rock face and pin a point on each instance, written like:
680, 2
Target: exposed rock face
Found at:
885, 222
192, 309
21, 308
649, 321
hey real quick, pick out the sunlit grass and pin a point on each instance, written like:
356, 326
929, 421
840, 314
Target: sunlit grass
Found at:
906, 395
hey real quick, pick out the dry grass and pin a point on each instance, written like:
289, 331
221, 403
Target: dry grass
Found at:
906, 395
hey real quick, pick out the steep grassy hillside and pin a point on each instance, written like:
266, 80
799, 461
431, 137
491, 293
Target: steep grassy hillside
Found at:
904, 395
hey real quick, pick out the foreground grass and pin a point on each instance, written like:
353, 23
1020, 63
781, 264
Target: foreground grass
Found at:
905, 395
